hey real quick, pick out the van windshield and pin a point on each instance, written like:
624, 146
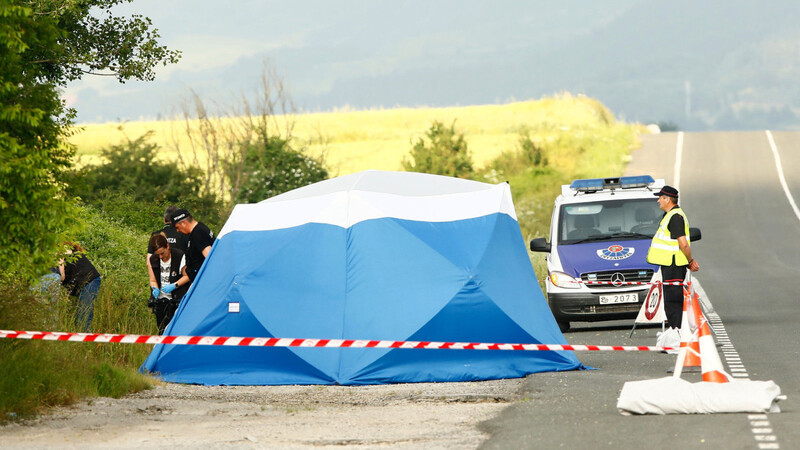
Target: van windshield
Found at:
625, 219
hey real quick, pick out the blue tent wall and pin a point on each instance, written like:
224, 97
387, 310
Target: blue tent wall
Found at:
383, 279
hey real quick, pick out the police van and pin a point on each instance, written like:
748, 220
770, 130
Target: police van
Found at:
600, 232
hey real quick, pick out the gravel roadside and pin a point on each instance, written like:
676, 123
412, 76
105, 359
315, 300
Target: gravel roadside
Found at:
398, 416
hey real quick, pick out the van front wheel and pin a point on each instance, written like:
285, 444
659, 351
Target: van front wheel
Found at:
563, 326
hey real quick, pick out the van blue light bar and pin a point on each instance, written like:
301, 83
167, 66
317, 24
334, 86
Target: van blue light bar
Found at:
637, 181
591, 185
598, 184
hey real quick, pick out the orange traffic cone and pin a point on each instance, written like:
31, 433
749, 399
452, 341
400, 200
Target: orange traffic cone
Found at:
689, 331
689, 353
711, 364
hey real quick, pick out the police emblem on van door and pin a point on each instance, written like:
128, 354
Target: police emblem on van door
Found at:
615, 252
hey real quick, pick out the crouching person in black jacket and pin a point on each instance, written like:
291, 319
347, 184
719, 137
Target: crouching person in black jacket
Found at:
168, 280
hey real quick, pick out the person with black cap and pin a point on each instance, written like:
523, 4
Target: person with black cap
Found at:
671, 249
201, 238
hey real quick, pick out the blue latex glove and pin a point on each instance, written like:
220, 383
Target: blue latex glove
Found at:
155, 292
169, 288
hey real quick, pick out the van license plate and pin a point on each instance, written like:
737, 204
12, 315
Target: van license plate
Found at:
619, 298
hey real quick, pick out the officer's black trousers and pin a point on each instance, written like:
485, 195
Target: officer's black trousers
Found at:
673, 295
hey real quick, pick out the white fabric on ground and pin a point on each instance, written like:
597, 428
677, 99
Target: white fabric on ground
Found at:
672, 395
671, 337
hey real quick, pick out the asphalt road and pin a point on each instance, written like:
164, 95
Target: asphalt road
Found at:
750, 261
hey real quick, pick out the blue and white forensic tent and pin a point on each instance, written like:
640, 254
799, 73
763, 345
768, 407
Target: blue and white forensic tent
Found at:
374, 256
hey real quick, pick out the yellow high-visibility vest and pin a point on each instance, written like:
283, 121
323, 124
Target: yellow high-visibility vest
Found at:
663, 247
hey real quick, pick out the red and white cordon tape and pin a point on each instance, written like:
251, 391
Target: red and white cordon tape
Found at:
635, 283
326, 343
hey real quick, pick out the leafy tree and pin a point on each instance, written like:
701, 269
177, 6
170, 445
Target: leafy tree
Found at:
271, 167
445, 153
44, 44
34, 213
93, 41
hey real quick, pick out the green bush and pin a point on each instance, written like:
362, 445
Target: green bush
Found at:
125, 210
270, 166
445, 153
134, 187
134, 167
528, 154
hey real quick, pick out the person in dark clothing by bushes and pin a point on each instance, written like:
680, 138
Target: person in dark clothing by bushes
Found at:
168, 280
83, 281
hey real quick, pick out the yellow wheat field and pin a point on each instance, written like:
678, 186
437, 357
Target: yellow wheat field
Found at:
352, 141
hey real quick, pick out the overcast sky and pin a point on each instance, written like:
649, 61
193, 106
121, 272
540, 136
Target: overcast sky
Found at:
316, 44
695, 63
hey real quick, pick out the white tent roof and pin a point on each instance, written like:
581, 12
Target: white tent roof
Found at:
347, 200
398, 183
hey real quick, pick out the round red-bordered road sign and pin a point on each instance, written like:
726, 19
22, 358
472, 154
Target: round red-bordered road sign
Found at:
653, 301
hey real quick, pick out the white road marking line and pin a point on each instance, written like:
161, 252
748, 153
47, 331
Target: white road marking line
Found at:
706, 304
759, 423
760, 426
676, 176
781, 178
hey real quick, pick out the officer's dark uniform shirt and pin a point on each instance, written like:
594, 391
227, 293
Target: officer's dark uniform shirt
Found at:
200, 238
175, 238
676, 226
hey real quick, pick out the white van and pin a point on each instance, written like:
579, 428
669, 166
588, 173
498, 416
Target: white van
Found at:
600, 232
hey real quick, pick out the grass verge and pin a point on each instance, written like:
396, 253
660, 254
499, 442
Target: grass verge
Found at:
570, 137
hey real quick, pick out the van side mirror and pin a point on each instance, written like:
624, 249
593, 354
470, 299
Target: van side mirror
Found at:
694, 234
540, 245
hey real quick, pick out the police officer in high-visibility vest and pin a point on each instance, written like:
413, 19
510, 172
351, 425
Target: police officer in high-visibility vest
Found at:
671, 250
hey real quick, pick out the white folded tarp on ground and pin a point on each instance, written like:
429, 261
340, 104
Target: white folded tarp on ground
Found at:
672, 395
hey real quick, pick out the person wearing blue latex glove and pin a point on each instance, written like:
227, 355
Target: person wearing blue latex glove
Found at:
168, 279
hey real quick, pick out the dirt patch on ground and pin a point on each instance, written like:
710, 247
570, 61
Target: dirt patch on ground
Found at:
419, 415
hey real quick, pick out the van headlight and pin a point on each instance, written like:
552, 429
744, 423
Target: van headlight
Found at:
562, 280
